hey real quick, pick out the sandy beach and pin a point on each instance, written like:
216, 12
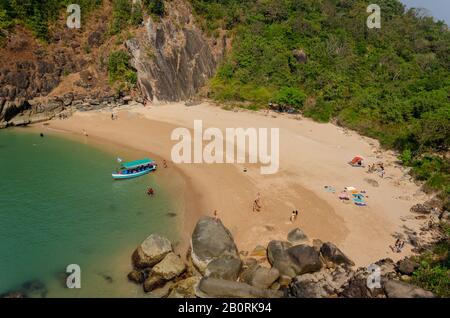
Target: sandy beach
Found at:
312, 156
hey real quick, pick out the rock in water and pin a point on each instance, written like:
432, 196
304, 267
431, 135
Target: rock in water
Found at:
396, 289
137, 277
153, 282
226, 267
332, 254
170, 267
219, 288
211, 240
260, 277
151, 251
304, 259
297, 236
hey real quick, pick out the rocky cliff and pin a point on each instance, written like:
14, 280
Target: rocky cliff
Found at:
172, 57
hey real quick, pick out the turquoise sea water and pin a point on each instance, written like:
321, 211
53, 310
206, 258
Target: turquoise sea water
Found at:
60, 206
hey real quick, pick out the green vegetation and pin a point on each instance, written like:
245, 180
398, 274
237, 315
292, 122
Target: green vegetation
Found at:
391, 83
120, 72
434, 271
37, 14
290, 96
126, 14
155, 7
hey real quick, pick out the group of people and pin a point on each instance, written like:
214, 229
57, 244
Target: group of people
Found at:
294, 216
151, 192
398, 246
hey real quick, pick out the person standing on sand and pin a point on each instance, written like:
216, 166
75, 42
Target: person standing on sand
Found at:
257, 203
216, 216
164, 163
294, 216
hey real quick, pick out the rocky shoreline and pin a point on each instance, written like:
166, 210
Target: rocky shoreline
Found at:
214, 268
38, 110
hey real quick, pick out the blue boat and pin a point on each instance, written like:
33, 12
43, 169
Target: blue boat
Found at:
134, 169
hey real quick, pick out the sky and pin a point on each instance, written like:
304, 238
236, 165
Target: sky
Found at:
439, 8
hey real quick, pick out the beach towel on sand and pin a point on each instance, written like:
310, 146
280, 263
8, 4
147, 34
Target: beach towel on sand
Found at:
329, 189
344, 196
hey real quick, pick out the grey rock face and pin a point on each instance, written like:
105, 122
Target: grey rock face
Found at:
173, 60
226, 267
211, 240
324, 283
260, 277
304, 259
331, 253
396, 289
151, 251
219, 288
297, 236
170, 267
137, 277
407, 266
293, 260
184, 288
278, 257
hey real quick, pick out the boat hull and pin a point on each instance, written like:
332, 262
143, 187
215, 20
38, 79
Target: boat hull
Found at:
117, 176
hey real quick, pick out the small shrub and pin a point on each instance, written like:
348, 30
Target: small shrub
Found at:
120, 69
289, 96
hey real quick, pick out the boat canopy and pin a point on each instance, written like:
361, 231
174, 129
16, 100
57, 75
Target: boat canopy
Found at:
137, 163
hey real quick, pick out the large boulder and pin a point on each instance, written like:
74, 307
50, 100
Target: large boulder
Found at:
293, 260
137, 277
151, 251
332, 254
407, 266
260, 277
226, 267
397, 289
153, 282
211, 240
321, 284
297, 236
278, 257
304, 259
184, 288
219, 288
170, 267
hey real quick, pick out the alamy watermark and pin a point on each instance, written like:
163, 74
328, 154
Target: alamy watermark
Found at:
374, 19
74, 19
374, 279
253, 143
73, 280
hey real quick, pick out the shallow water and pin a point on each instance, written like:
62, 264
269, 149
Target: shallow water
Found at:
60, 206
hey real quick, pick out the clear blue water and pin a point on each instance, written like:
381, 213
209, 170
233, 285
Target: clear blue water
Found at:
60, 206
